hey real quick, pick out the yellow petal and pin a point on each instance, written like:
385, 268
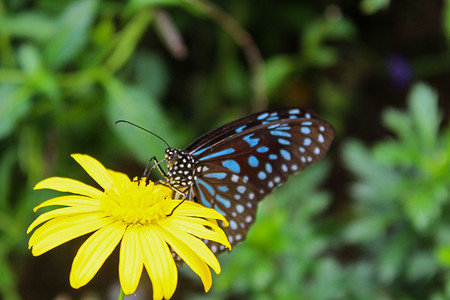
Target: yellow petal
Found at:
196, 227
159, 263
61, 212
93, 253
195, 244
193, 254
70, 200
118, 177
60, 230
131, 260
69, 185
194, 209
95, 169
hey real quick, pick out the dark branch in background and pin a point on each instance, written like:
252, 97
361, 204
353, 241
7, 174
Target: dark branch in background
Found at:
174, 42
170, 34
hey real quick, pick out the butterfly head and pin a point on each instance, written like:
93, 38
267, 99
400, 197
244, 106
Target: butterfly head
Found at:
180, 167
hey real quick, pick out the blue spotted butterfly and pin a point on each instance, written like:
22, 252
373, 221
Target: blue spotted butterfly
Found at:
233, 167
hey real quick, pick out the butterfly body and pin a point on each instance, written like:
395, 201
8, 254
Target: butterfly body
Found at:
233, 167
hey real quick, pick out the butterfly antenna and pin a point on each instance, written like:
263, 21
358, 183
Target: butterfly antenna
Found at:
124, 121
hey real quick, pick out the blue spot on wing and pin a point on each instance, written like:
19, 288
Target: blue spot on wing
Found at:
280, 133
253, 161
305, 130
223, 188
224, 201
263, 116
203, 198
274, 118
219, 210
251, 141
284, 127
231, 165
262, 175
217, 175
216, 154
284, 141
199, 151
286, 154
240, 129
262, 149
208, 187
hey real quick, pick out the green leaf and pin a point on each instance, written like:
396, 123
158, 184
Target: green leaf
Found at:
33, 25
422, 265
39, 79
423, 108
152, 74
394, 254
71, 34
443, 256
366, 229
30, 59
276, 70
421, 207
372, 6
14, 105
399, 123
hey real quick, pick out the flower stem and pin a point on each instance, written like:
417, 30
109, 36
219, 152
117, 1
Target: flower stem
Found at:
121, 294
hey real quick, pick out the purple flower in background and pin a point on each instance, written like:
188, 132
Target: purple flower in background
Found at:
399, 70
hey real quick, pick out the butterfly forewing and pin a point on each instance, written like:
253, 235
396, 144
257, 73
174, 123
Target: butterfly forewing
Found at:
239, 163
227, 131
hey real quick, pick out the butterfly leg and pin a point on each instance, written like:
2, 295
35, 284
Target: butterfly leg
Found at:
147, 171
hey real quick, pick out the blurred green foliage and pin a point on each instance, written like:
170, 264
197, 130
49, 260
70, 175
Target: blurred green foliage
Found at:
401, 212
69, 69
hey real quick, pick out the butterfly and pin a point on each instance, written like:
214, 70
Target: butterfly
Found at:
233, 167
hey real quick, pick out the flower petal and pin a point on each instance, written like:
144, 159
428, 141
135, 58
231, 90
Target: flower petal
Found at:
196, 245
61, 212
196, 227
93, 253
159, 263
131, 260
95, 169
118, 177
62, 229
69, 185
192, 251
70, 200
190, 208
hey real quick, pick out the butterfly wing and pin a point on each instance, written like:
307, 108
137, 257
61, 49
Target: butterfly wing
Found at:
239, 163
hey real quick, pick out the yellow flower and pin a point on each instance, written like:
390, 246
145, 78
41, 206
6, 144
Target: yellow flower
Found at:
134, 214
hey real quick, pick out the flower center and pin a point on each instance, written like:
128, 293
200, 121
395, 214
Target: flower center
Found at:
135, 202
